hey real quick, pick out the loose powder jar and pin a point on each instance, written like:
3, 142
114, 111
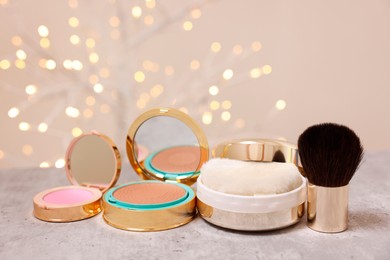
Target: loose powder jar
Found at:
252, 185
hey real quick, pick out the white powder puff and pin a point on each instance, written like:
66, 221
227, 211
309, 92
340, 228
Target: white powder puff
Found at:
250, 178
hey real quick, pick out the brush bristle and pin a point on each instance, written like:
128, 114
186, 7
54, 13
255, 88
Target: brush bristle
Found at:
330, 154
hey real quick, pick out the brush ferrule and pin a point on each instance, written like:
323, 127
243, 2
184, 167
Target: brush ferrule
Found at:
327, 208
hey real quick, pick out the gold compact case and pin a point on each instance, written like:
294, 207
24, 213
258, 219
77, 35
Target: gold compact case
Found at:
260, 211
93, 166
163, 199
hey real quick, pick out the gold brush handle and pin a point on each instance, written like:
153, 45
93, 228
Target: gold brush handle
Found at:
327, 208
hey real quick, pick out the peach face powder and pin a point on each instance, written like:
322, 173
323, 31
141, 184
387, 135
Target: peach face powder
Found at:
149, 193
178, 159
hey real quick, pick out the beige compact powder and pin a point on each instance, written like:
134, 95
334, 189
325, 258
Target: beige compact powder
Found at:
149, 193
179, 159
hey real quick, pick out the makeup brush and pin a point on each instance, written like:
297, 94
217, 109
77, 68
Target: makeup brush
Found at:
330, 155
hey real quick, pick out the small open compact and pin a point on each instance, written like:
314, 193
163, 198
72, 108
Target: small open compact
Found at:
93, 166
177, 149
252, 185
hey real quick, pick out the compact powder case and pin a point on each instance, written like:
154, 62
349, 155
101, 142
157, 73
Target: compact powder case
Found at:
253, 213
163, 199
93, 165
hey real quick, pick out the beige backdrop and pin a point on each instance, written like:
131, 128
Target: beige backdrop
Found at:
330, 61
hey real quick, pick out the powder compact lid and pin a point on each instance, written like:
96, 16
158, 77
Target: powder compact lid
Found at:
258, 150
93, 160
177, 146
93, 166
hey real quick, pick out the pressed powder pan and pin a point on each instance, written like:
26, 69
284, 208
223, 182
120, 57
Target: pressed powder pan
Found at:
179, 159
173, 162
68, 195
149, 193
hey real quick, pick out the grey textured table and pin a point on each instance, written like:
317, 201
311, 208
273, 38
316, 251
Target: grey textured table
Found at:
24, 237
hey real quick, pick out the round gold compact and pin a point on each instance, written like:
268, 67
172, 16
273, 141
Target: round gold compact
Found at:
93, 165
177, 148
267, 208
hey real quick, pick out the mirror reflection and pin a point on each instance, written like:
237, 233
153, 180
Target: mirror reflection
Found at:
92, 162
172, 148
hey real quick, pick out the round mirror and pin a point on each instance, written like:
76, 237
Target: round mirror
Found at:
176, 146
92, 160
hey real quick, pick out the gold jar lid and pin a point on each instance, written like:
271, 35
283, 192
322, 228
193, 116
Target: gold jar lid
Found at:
258, 150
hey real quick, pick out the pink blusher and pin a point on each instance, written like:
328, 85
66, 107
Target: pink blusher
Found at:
67, 203
68, 196
57, 198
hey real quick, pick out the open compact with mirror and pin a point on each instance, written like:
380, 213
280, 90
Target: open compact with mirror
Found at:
163, 199
93, 165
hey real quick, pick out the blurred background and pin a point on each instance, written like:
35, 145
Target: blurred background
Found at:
240, 68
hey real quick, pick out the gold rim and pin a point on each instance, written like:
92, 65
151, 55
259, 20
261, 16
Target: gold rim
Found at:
149, 220
181, 116
259, 150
